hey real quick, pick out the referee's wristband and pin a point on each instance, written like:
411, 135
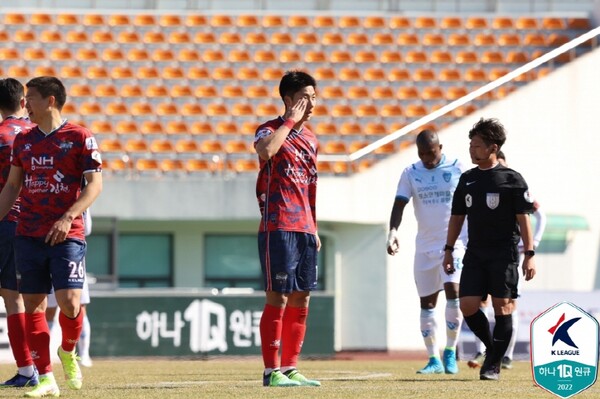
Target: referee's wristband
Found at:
448, 248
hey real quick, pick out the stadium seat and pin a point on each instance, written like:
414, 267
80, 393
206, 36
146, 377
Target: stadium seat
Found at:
272, 21
509, 40
503, 23
492, 57
517, 57
229, 38
315, 56
195, 20
147, 166
534, 39
105, 90
172, 72
112, 54
454, 93
375, 129
191, 109
102, 36
178, 37
350, 129
220, 20
86, 54
497, 73
34, 54
335, 147
126, 127
577, 23
118, 20
200, 128
475, 23
128, 37
255, 38
289, 56
245, 165
448, 23
110, 145
382, 39
464, 110
161, 146
15, 18
340, 57
484, 40
71, 72
324, 74
186, 146
433, 40
526, 23
432, 93
323, 22
96, 72
171, 165
375, 75
93, 20
449, 75
366, 57
238, 56
197, 73
100, 127
475, 75
50, 36
136, 146
441, 57
199, 165
424, 75
386, 149
357, 39
350, 22
269, 110
390, 57
247, 21
122, 73
186, 55
45, 70
264, 57
141, 108
415, 110
298, 21
19, 71
236, 146
374, 22
80, 90
458, 40
226, 128
60, 54
425, 22
175, 21
162, 55
144, 20
399, 75
466, 57
67, 19
382, 93
306, 39
407, 39
553, 23
331, 92
204, 38
176, 127
271, 74
398, 22
416, 57
153, 37
331, 38
326, 129
557, 40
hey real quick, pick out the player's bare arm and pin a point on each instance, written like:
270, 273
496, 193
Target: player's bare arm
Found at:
270, 145
393, 242
11, 190
454, 227
527, 237
59, 231
318, 241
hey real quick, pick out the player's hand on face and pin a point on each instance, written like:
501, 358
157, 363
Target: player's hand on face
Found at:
448, 263
297, 110
58, 232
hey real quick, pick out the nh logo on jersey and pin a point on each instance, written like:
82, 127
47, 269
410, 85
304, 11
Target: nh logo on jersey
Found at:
564, 350
42, 162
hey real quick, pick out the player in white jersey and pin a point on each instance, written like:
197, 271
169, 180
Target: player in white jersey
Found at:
431, 183
540, 225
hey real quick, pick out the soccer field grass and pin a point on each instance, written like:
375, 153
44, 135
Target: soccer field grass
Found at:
241, 378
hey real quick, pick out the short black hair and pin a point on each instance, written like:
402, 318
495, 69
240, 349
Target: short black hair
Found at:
500, 155
50, 86
294, 81
11, 93
427, 137
490, 130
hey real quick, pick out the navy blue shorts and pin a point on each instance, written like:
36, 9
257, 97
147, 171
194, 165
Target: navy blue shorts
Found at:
43, 266
288, 260
8, 271
490, 271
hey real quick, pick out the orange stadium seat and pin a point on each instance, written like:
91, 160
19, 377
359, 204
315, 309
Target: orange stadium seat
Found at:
349, 74
464, 110
357, 145
374, 75
15, 18
180, 91
503, 23
110, 145
242, 109
211, 146
526, 23
147, 165
517, 57
400, 22
454, 93
433, 39
247, 74
399, 75
509, 40
153, 128
226, 128
213, 55
415, 110
186, 146
116, 108
408, 39
68, 109
307, 39
248, 128
221, 20
150, 37
138, 55
176, 127
228, 38
578, 23
121, 72
102, 36
67, 19
357, 39
357, 93
365, 57
24, 36
272, 21
144, 20
416, 57
348, 22
326, 129
126, 127
382, 93
344, 111
171, 165
328, 92
223, 74
191, 109
161, 146
441, 57
557, 40
475, 75
9, 53
112, 54
534, 39
101, 127
432, 93
86, 54
451, 23
245, 165
237, 147
118, 20
247, 21
71, 72
166, 109
90, 108
170, 20
323, 22
476, 23
449, 75
424, 22
141, 108
96, 72
484, 40
136, 146
335, 147
318, 110
147, 73
497, 73
388, 148
4, 36
162, 55
375, 129
188, 55
33, 54
50, 36
204, 38
93, 20
80, 90
255, 38
324, 73
216, 109
424, 75
298, 21
76, 36
459, 40
374, 22
268, 110
466, 57
128, 37
382, 39
315, 57
105, 90
553, 23
390, 57
351, 129
340, 57
206, 92
195, 20
492, 57
45, 70
198, 165
131, 90
290, 56
238, 56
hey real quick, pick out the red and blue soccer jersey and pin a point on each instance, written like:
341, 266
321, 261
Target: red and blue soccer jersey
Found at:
286, 187
9, 128
53, 166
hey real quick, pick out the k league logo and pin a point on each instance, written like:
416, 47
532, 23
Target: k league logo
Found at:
564, 350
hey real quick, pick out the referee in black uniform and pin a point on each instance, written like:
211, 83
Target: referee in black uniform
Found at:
497, 203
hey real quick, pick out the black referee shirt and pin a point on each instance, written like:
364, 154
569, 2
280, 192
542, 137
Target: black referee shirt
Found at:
491, 199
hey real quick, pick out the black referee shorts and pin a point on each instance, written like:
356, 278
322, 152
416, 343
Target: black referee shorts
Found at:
493, 271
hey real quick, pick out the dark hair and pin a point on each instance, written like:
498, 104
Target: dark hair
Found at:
11, 93
294, 81
500, 155
490, 130
50, 86
427, 137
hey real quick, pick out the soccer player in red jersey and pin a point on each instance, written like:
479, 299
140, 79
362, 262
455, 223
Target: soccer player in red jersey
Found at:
48, 165
12, 110
287, 240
